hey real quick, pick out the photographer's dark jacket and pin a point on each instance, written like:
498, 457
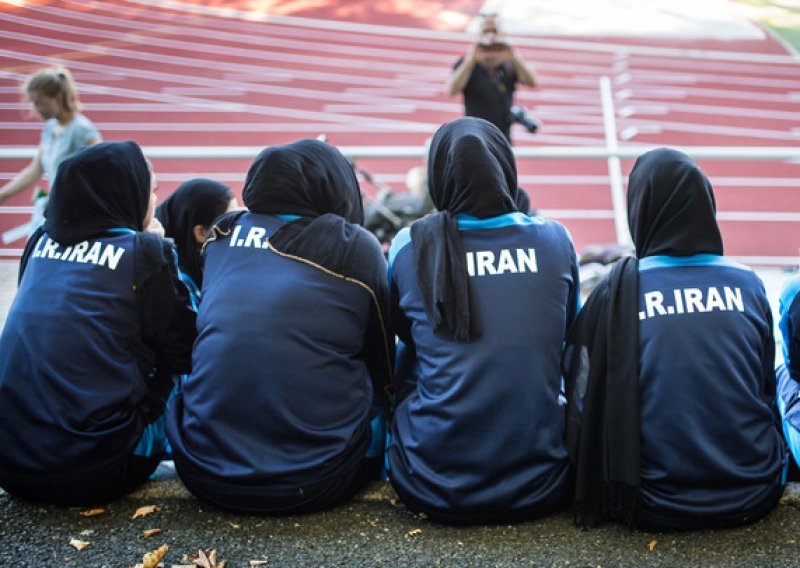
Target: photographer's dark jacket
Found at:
489, 94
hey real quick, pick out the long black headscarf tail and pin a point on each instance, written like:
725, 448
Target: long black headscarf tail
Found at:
442, 273
197, 201
671, 211
603, 412
471, 170
622, 408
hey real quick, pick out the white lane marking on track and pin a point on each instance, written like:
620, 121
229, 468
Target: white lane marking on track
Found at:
250, 86
736, 216
660, 110
250, 53
712, 129
631, 132
543, 182
205, 91
655, 92
577, 213
365, 108
768, 216
603, 45
268, 89
259, 54
682, 77
88, 107
430, 40
294, 93
311, 40
266, 110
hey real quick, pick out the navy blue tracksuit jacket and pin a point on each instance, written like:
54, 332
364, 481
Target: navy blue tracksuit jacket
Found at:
278, 402
77, 363
478, 429
710, 445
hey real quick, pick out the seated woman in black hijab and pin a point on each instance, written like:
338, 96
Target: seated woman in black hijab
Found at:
293, 354
187, 215
671, 380
96, 331
481, 296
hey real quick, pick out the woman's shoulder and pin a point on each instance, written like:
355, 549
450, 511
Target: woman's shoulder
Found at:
80, 125
82, 120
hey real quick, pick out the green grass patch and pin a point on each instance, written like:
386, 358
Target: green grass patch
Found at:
781, 16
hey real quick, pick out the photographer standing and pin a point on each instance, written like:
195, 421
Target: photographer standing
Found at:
488, 76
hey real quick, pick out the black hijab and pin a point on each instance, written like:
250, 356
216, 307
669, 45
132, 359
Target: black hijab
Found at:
100, 187
471, 169
671, 207
306, 178
314, 180
194, 202
107, 186
671, 211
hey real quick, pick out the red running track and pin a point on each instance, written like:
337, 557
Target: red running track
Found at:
374, 75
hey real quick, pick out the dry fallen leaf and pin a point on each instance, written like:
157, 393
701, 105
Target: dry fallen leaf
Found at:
92, 512
414, 532
209, 560
652, 545
144, 511
79, 544
234, 525
152, 558
150, 532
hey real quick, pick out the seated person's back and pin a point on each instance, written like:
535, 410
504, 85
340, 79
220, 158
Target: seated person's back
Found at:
99, 325
674, 355
478, 429
292, 357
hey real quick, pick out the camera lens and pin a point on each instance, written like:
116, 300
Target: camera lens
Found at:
518, 115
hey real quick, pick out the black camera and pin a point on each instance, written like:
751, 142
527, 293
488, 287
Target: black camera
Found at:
518, 115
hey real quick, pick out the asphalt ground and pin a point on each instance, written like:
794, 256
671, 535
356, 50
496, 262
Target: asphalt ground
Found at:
374, 529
